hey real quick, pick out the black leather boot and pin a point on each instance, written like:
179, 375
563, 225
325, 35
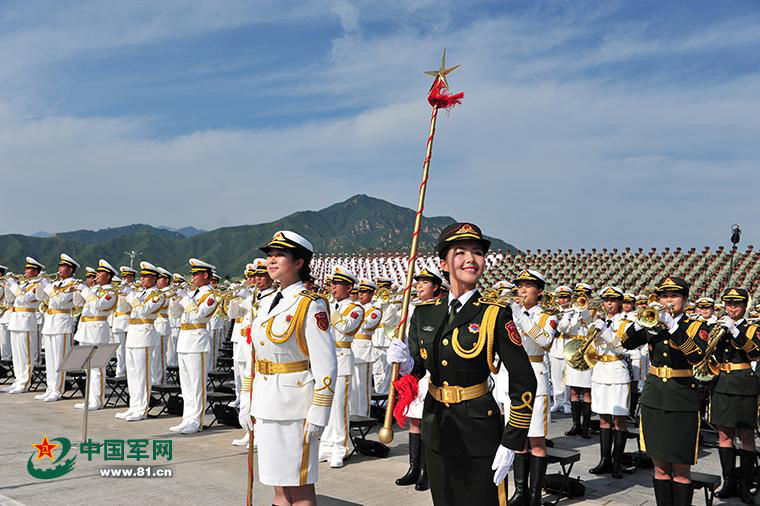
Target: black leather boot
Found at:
634, 399
605, 448
747, 466
537, 476
521, 469
682, 494
585, 420
422, 481
727, 465
619, 438
575, 409
415, 448
663, 492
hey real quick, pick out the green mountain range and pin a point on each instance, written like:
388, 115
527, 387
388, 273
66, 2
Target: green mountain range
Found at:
360, 224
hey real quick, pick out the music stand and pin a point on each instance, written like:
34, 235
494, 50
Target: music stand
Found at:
86, 357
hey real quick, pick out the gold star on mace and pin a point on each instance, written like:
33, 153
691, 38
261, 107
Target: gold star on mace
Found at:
442, 72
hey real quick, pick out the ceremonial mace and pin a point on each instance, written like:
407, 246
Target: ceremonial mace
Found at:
438, 97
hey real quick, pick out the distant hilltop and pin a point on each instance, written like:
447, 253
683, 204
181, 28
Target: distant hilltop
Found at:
361, 224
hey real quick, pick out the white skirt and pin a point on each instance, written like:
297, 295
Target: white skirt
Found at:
539, 420
610, 399
284, 460
415, 408
576, 378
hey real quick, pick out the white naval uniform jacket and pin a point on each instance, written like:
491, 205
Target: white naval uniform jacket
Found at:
120, 321
608, 343
23, 316
362, 348
574, 323
295, 395
558, 345
99, 302
59, 297
145, 306
236, 312
194, 334
536, 339
162, 324
263, 299
346, 317
390, 319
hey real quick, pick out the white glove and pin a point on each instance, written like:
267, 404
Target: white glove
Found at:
730, 325
398, 353
667, 319
502, 463
313, 432
516, 309
244, 414
599, 324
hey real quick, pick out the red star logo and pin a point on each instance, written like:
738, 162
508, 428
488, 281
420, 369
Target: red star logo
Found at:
45, 449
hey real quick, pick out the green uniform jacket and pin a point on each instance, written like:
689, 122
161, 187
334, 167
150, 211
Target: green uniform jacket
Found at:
475, 427
737, 350
681, 350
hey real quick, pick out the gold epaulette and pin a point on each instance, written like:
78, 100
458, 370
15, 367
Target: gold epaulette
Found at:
310, 294
693, 327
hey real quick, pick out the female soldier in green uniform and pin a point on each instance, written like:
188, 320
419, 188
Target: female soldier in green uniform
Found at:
669, 403
458, 340
733, 401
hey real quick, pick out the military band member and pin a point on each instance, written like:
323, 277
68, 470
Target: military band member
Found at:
574, 325
361, 380
174, 321
469, 450
215, 325
428, 284
163, 328
89, 277
705, 307
669, 403
733, 400
237, 311
58, 329
561, 397
22, 325
346, 318
98, 303
537, 329
121, 318
355, 294
194, 345
6, 302
381, 340
611, 383
291, 383
262, 296
145, 304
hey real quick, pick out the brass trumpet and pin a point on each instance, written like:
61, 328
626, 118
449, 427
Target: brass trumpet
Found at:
579, 353
707, 369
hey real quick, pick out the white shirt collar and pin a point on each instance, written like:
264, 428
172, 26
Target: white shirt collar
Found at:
462, 298
292, 290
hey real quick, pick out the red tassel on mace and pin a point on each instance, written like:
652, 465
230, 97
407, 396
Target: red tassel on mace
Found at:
439, 96
406, 387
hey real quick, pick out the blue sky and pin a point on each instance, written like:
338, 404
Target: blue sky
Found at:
583, 123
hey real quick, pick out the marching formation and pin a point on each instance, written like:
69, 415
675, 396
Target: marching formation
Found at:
482, 367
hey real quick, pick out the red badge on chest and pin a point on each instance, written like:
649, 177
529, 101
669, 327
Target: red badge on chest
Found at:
108, 296
474, 328
514, 335
322, 322
703, 334
210, 302
354, 314
373, 316
553, 324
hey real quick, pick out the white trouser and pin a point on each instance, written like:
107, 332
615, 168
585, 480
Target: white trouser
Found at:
558, 381
216, 338
171, 348
56, 348
361, 385
138, 379
335, 436
158, 362
192, 382
97, 388
24, 348
381, 371
5, 342
121, 353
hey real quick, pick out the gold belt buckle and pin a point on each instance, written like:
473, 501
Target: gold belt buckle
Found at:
264, 366
451, 395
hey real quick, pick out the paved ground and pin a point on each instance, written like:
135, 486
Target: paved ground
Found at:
208, 470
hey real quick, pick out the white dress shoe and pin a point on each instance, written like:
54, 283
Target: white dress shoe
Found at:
17, 390
135, 417
243, 441
325, 454
79, 405
123, 414
41, 397
190, 428
336, 460
52, 398
178, 428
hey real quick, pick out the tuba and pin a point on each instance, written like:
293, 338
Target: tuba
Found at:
708, 369
581, 303
579, 353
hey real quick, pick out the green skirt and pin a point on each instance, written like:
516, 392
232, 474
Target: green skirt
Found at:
670, 436
733, 411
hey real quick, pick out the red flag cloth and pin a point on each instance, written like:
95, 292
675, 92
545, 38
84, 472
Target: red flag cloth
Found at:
439, 95
248, 339
406, 389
